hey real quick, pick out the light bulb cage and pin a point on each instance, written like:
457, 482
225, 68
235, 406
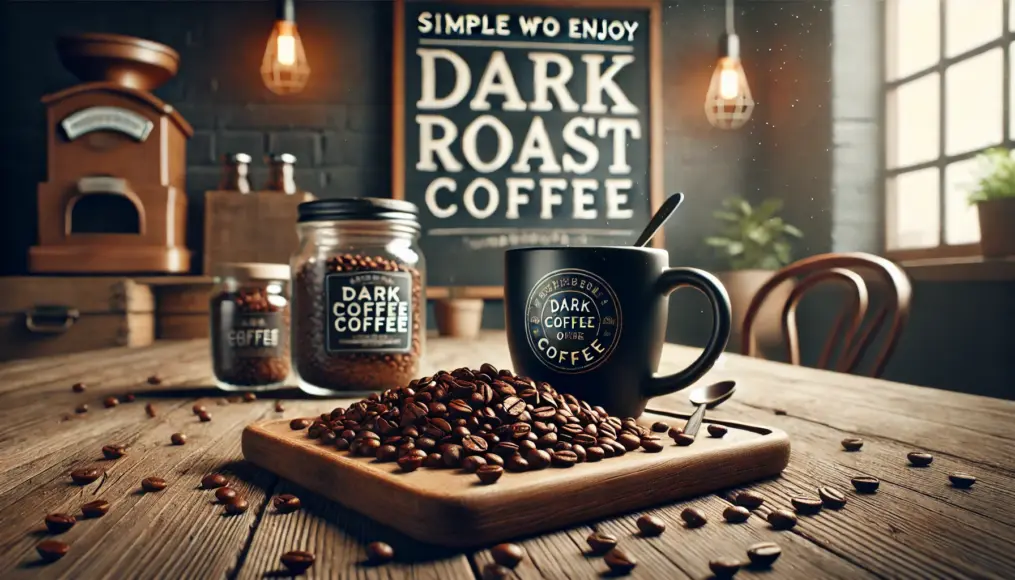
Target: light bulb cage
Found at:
725, 113
280, 78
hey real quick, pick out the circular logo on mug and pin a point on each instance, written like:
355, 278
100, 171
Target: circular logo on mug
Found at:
573, 320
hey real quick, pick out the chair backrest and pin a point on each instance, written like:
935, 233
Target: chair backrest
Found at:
850, 332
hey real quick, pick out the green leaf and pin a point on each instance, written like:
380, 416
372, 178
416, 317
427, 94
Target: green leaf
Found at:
717, 242
726, 216
735, 249
792, 230
745, 208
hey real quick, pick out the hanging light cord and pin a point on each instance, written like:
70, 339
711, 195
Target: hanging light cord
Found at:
729, 17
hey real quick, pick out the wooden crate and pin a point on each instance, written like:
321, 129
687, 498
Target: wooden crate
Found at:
46, 315
182, 306
255, 227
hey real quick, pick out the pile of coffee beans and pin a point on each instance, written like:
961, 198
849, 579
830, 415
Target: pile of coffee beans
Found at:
349, 370
250, 338
483, 421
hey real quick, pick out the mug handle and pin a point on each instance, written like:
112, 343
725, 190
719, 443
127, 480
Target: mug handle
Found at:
672, 279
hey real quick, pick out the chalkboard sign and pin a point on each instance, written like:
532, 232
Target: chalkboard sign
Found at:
525, 123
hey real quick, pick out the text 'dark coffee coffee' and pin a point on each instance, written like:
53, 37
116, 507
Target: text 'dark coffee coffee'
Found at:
358, 305
250, 326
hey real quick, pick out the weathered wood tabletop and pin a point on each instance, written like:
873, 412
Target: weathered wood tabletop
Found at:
915, 526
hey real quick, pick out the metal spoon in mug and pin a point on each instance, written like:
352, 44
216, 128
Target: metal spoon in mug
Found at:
656, 223
707, 398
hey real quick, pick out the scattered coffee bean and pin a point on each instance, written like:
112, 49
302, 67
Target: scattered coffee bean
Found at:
82, 408
249, 397
298, 424
852, 443
961, 480
488, 474
494, 571
153, 484
114, 451
736, 514
236, 506
178, 438
660, 427
79, 387
59, 523
651, 444
619, 561
150, 409
154, 380
507, 555
110, 402
807, 506
782, 519
204, 417
287, 503
128, 398
683, 439
297, 561
601, 542
724, 567
95, 509
379, 553
749, 500
85, 475
52, 550
764, 554
564, 458
410, 462
693, 517
213, 481
919, 459
831, 497
473, 462
651, 525
780, 411
717, 431
198, 409
865, 484
279, 407
226, 494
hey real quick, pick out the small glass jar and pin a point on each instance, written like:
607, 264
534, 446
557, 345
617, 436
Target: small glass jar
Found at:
235, 169
250, 326
359, 309
281, 173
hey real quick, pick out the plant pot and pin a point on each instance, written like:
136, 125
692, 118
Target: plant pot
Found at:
459, 317
997, 227
742, 285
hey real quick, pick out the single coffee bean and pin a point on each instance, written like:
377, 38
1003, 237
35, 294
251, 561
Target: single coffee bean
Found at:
150, 409
650, 525
473, 462
516, 464
749, 500
961, 480
213, 481
538, 459
297, 561
807, 506
601, 542
919, 459
82, 408
128, 398
287, 503
717, 431
660, 427
153, 484
299, 424
86, 475
852, 443
52, 550
198, 409
113, 451
865, 484
507, 555
95, 509
724, 567
594, 454
764, 554
249, 397
110, 402
831, 497
780, 411
155, 380
178, 439
226, 494
410, 462
683, 439
205, 417
630, 441
236, 506
433, 461
79, 387
674, 432
693, 517
59, 523
652, 445
782, 519
736, 514
379, 553
488, 474
279, 407
564, 459
619, 561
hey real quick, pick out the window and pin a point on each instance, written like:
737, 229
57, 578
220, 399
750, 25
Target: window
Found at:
948, 97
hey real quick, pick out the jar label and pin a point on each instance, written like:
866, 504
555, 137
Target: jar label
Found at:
254, 335
369, 311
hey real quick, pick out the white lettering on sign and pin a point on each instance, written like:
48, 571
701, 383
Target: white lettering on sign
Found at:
107, 119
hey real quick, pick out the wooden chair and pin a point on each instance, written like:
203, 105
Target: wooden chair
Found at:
849, 332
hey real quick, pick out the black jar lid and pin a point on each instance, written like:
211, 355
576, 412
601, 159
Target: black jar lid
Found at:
359, 208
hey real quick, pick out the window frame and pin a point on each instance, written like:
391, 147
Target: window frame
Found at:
943, 160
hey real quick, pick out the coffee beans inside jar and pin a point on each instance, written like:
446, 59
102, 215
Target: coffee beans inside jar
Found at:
250, 326
358, 296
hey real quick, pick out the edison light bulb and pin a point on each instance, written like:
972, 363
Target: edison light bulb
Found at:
285, 44
729, 78
284, 68
728, 103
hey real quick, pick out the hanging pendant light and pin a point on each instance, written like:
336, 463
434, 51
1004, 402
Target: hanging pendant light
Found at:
728, 103
284, 68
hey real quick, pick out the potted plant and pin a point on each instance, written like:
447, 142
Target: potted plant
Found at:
755, 242
994, 198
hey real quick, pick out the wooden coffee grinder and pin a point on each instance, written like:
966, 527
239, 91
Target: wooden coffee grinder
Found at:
115, 200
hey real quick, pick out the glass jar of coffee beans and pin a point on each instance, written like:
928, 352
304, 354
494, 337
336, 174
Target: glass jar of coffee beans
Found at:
358, 296
250, 326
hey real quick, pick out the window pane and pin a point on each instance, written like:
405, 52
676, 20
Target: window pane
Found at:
914, 37
973, 102
962, 223
914, 210
971, 23
913, 131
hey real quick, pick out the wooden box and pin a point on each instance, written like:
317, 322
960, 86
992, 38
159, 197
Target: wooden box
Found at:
42, 316
253, 227
182, 306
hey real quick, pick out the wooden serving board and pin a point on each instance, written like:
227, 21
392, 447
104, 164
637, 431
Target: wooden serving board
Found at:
451, 508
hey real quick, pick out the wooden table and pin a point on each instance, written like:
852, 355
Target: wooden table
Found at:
916, 526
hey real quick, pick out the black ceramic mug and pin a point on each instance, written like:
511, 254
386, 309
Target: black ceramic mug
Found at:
591, 321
